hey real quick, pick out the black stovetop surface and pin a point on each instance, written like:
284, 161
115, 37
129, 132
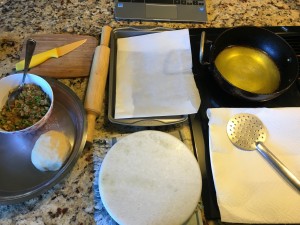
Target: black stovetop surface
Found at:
212, 96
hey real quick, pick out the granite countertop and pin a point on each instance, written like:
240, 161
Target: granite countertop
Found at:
71, 201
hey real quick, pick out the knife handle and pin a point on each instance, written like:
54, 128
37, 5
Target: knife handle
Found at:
97, 81
37, 59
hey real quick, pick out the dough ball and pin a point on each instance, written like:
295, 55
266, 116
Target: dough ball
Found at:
50, 151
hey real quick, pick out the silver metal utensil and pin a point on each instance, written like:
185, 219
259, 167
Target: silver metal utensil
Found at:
247, 132
30, 46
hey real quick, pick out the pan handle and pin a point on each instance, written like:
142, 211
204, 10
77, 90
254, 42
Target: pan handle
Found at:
278, 165
201, 50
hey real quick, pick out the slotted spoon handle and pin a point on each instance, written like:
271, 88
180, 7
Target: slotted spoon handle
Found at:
278, 165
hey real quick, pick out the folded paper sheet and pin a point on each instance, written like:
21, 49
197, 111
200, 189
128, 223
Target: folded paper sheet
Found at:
154, 76
248, 188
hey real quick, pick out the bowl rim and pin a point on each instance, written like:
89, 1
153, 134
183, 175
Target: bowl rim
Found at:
15, 79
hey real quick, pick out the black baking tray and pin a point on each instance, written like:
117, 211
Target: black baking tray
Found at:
142, 121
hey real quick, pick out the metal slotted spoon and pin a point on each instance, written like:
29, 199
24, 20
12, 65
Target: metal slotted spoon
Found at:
247, 132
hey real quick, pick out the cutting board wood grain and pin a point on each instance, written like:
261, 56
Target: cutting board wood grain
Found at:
76, 63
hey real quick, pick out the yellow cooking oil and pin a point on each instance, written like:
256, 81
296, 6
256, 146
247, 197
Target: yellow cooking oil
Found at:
249, 69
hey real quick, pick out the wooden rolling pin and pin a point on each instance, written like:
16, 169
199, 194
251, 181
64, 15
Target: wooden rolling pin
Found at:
97, 81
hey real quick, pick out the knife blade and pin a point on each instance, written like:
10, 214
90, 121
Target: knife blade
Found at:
52, 53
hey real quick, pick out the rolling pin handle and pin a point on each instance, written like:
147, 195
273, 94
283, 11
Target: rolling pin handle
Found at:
91, 121
105, 35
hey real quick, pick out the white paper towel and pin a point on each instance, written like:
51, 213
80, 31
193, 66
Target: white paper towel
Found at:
154, 76
248, 189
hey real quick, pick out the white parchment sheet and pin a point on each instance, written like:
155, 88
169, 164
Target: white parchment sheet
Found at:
154, 76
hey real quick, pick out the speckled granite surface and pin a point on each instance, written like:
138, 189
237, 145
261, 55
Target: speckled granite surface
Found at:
72, 200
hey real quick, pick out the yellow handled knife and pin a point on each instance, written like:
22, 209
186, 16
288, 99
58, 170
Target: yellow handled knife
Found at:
53, 53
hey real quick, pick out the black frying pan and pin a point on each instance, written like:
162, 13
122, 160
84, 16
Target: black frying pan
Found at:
273, 45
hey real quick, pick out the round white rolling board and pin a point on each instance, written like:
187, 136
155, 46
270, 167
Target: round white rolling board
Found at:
150, 177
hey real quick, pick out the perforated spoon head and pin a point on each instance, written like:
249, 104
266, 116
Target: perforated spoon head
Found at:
245, 131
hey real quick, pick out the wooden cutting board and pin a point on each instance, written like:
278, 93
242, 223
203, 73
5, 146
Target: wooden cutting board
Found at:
76, 63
